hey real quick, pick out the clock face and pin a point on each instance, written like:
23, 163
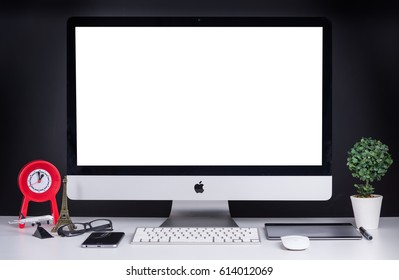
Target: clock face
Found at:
39, 181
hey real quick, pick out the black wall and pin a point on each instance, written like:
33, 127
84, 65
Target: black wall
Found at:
33, 92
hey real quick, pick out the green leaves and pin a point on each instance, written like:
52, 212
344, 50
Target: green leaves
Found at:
368, 160
364, 190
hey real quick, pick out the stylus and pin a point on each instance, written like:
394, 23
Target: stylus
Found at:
365, 233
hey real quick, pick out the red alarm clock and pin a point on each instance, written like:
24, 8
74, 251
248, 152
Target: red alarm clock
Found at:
39, 181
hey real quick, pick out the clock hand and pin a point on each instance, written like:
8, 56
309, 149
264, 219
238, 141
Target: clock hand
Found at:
39, 177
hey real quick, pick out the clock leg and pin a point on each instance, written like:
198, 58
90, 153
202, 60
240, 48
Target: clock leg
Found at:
24, 211
54, 210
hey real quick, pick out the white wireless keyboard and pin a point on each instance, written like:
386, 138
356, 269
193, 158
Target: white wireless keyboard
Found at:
193, 235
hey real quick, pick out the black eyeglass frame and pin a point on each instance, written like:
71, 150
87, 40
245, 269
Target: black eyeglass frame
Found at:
86, 228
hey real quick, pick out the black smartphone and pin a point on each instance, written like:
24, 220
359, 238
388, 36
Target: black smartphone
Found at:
103, 240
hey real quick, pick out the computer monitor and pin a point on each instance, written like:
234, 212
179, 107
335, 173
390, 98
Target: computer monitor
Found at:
199, 110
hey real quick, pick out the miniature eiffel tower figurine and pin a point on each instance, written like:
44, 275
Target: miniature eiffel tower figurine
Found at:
64, 218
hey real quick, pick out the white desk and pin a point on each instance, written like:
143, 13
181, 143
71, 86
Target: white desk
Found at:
18, 243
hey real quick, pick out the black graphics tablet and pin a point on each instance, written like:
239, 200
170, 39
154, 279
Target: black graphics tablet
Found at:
320, 231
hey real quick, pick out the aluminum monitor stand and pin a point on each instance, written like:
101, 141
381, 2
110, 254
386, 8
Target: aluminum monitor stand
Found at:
199, 213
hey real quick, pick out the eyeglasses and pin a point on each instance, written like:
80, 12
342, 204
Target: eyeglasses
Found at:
75, 229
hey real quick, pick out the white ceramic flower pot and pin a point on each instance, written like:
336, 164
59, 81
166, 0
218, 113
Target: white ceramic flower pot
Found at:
367, 211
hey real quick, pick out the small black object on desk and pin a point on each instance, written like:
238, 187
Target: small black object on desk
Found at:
365, 233
41, 232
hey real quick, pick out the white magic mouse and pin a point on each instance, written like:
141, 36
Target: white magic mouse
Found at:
295, 242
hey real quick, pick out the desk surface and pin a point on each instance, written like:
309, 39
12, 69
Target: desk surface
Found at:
16, 243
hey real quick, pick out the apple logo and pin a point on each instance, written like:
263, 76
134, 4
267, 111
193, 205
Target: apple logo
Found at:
199, 188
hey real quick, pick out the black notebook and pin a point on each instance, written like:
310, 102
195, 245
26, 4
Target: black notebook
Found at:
274, 231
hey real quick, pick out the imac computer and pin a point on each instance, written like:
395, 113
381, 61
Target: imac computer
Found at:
199, 111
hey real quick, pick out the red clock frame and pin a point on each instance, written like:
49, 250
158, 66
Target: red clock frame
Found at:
48, 195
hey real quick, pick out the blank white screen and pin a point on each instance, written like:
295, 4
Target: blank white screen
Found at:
199, 95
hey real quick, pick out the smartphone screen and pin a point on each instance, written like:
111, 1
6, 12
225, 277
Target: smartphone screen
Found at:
103, 240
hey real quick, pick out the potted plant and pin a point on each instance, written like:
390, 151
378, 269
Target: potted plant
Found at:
368, 160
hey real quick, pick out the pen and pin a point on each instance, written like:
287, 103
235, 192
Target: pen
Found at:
365, 233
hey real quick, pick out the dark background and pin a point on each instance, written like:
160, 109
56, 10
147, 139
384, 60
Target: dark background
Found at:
33, 92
